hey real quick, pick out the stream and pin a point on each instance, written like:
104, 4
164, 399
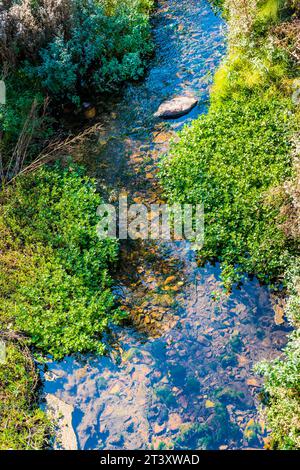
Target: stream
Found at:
180, 375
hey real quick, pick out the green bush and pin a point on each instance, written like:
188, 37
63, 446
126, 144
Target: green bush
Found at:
217, 3
282, 384
230, 159
105, 47
21, 93
55, 282
282, 388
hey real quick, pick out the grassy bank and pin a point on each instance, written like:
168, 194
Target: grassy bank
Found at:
55, 282
55, 288
240, 160
23, 425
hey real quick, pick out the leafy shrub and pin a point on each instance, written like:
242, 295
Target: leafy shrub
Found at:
64, 48
229, 160
217, 3
282, 384
21, 93
103, 48
55, 282
282, 387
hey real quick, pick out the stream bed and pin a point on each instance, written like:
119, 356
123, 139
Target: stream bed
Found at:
180, 375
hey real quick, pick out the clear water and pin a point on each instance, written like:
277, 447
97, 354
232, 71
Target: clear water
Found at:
180, 375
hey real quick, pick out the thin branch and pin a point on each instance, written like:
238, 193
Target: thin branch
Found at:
55, 147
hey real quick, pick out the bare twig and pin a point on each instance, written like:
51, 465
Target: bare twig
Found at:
20, 340
288, 37
20, 151
57, 147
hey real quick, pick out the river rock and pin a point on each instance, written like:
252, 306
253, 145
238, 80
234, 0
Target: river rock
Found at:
177, 107
174, 422
62, 413
89, 110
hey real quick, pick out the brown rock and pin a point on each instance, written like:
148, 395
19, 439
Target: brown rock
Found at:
253, 383
174, 422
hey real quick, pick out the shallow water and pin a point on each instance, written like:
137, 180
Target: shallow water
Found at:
181, 375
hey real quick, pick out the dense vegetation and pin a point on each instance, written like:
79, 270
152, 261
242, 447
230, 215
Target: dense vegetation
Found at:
62, 52
282, 387
247, 160
55, 283
105, 44
241, 160
55, 286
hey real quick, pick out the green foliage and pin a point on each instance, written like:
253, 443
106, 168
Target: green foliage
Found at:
248, 70
23, 425
217, 3
21, 93
230, 159
268, 10
107, 44
293, 303
55, 284
283, 390
165, 394
282, 383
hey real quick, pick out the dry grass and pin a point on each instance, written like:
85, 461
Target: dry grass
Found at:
287, 36
291, 210
25, 26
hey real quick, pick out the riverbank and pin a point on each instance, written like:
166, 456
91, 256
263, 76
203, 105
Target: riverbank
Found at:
55, 282
241, 161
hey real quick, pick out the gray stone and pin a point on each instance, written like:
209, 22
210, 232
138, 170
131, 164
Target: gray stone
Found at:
177, 107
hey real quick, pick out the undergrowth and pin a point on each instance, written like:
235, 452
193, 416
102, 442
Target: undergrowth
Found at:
55, 281
23, 425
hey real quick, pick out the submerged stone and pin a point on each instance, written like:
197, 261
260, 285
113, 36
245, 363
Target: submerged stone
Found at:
176, 107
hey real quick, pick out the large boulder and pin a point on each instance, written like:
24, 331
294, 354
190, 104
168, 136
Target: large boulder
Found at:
176, 107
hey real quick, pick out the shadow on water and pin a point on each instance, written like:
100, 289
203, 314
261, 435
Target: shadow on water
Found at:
180, 377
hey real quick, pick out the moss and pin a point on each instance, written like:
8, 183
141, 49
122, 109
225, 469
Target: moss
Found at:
23, 425
165, 394
252, 432
236, 343
207, 436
